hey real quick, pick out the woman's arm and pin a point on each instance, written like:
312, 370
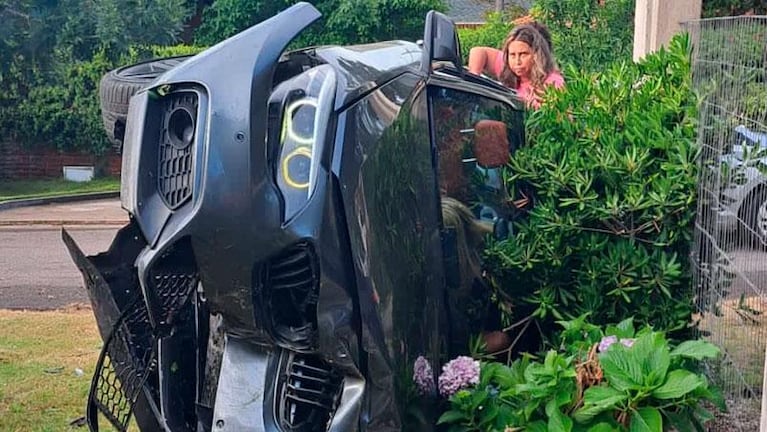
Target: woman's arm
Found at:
484, 60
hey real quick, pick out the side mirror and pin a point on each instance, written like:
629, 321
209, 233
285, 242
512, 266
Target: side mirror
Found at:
491, 143
440, 42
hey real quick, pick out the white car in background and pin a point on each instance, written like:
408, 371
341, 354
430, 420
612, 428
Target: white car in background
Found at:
743, 196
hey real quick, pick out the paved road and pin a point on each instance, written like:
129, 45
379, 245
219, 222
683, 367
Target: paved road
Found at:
36, 271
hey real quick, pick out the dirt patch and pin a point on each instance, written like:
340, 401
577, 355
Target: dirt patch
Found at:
739, 328
742, 415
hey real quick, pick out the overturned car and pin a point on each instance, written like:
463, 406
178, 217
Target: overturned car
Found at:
304, 227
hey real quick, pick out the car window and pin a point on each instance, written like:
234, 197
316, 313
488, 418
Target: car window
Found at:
474, 136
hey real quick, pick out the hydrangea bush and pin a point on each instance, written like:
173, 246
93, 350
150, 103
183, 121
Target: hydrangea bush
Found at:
599, 380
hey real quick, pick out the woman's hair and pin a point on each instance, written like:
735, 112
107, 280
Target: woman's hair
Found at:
544, 31
543, 60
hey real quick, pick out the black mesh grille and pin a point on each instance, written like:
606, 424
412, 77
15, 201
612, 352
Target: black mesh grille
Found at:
309, 394
176, 146
173, 290
292, 292
173, 280
127, 359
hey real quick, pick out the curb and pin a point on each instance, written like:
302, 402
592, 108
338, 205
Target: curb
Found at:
61, 223
6, 205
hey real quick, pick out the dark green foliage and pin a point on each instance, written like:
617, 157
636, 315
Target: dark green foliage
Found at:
53, 53
343, 21
491, 34
225, 18
40, 30
65, 116
586, 34
62, 109
612, 162
720, 8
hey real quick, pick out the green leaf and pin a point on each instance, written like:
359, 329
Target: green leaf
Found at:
621, 369
478, 397
646, 420
597, 400
557, 421
652, 353
679, 383
537, 426
451, 416
489, 415
624, 329
697, 349
681, 421
602, 427
604, 396
587, 413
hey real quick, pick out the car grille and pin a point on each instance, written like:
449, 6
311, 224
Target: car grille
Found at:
173, 280
126, 361
309, 394
177, 136
292, 285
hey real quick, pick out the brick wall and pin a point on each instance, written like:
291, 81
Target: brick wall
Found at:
18, 163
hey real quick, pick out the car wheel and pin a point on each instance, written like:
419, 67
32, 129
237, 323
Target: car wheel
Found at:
119, 85
755, 215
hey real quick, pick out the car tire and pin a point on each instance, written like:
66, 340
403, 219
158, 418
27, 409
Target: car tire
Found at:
754, 214
119, 85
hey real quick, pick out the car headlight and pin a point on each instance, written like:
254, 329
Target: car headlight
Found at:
306, 109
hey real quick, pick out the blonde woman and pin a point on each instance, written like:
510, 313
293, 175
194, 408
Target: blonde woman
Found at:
525, 63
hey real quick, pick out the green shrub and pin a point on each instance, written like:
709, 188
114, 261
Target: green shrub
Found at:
720, 8
611, 163
621, 381
490, 34
588, 35
343, 21
64, 112
60, 109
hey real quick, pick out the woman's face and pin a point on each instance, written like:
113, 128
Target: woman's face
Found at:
520, 58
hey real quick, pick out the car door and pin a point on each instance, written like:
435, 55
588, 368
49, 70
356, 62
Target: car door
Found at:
474, 132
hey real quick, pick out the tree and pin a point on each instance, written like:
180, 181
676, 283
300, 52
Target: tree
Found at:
718, 8
344, 21
48, 70
588, 34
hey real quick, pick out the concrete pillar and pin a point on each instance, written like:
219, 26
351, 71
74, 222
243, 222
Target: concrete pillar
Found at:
657, 21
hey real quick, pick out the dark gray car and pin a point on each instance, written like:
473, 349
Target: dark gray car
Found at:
288, 259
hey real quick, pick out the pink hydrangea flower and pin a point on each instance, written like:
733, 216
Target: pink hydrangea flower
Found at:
457, 374
423, 376
606, 341
628, 343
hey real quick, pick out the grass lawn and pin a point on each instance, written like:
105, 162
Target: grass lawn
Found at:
17, 189
41, 357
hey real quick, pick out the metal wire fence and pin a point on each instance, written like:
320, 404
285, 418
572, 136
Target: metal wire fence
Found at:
730, 254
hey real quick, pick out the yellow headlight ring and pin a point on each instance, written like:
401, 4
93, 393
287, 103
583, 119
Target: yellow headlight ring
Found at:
298, 151
287, 124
